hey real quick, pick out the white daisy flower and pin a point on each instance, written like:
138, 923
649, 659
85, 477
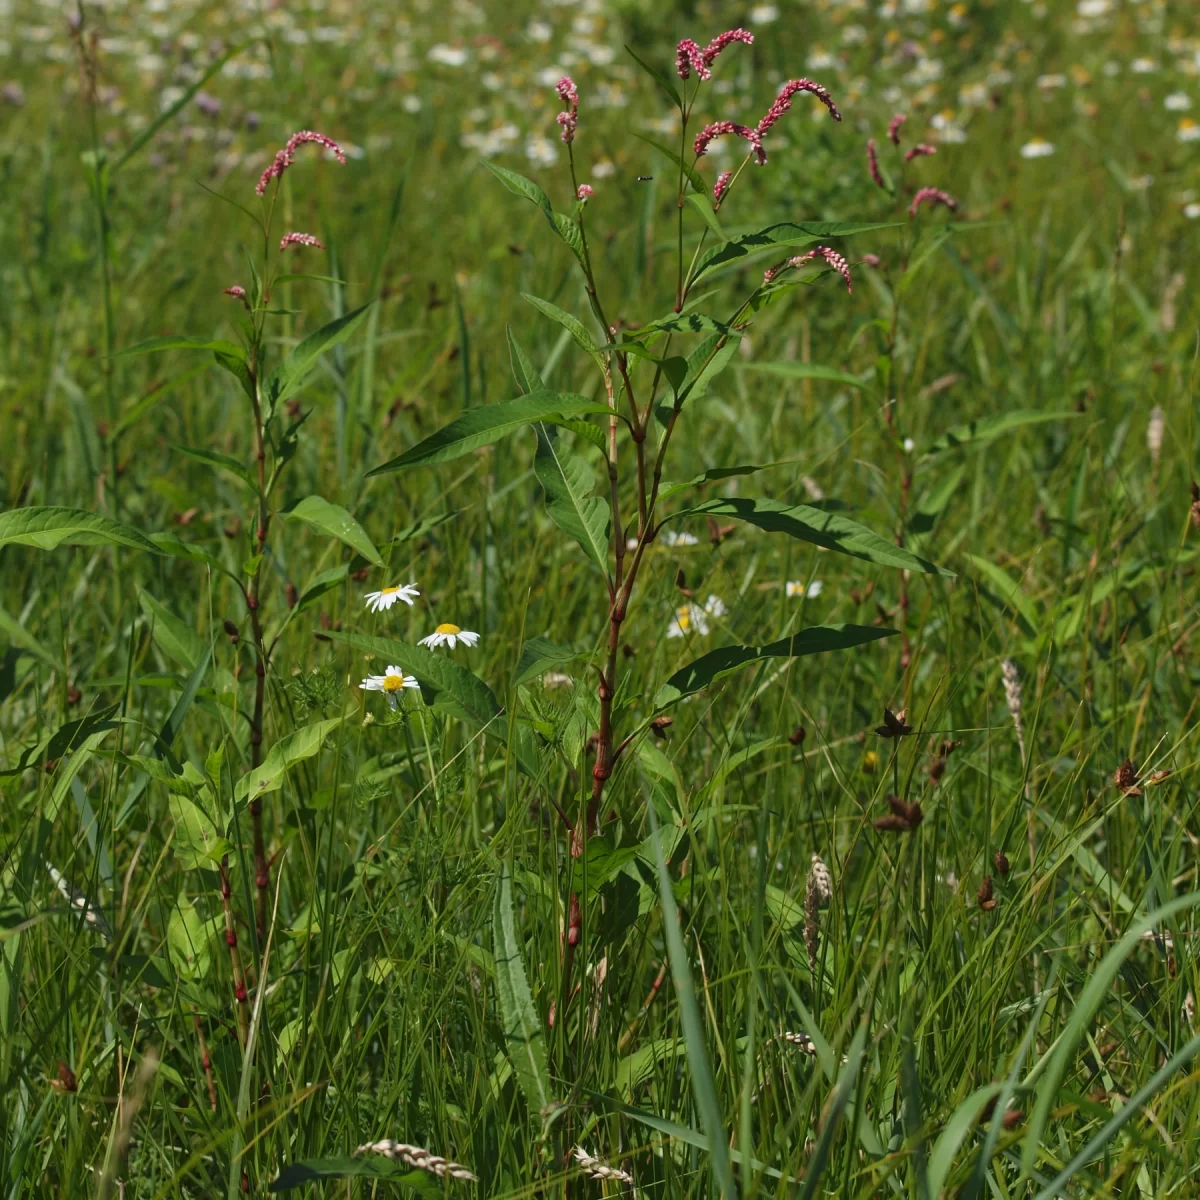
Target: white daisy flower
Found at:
1191, 211
688, 618
797, 587
1037, 148
1187, 130
386, 597
674, 538
1177, 102
449, 635
390, 683
714, 606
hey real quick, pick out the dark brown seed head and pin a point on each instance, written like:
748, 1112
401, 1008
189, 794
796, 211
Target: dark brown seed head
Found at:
1126, 778
984, 895
796, 737
892, 824
893, 724
66, 1078
911, 813
660, 725
936, 770
1001, 863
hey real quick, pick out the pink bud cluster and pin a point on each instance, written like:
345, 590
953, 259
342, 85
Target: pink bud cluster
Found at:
873, 162
238, 293
894, 128
832, 257
934, 196
720, 188
719, 128
922, 148
287, 155
300, 239
569, 120
689, 57
584, 192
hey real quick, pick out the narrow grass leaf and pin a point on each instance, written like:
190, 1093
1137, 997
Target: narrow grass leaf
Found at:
799, 370
537, 655
987, 428
835, 1110
1009, 591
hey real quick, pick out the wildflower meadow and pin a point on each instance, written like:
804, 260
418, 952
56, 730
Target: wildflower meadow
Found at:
599, 598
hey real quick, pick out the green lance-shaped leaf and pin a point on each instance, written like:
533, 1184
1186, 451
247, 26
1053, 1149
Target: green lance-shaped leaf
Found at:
168, 543
286, 752
524, 372
784, 233
156, 345
665, 83
1008, 590
489, 423
704, 207
568, 481
716, 664
571, 324
713, 475
690, 173
986, 428
175, 638
566, 227
522, 1025
49, 527
537, 655
321, 515
198, 841
300, 1174
807, 524
290, 374
688, 322
799, 370
211, 458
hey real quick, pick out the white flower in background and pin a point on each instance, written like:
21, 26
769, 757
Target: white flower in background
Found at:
820, 60
1177, 102
386, 597
795, 588
672, 538
604, 169
391, 684
1037, 148
411, 104
449, 635
692, 618
1188, 131
1111, 68
1191, 211
539, 31
541, 151
556, 679
1049, 82
1143, 66
973, 95
714, 606
909, 445
549, 76
1092, 8
447, 56
763, 14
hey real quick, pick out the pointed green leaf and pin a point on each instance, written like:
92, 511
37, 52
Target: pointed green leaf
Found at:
713, 475
568, 482
986, 428
296, 747
212, 459
690, 173
489, 423
288, 377
571, 324
48, 527
179, 342
716, 664
329, 518
198, 841
665, 83
300, 1174
175, 638
689, 322
168, 543
567, 228
704, 207
807, 524
523, 1033
1009, 590
524, 372
520, 186
537, 655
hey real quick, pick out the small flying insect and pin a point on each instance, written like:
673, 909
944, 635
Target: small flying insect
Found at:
644, 178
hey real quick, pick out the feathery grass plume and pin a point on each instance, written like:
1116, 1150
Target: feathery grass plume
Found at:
422, 1160
822, 880
77, 900
818, 890
1012, 695
1156, 427
598, 1169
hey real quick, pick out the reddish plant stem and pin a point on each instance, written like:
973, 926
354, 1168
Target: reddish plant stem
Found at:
205, 1062
655, 988
905, 648
231, 940
262, 873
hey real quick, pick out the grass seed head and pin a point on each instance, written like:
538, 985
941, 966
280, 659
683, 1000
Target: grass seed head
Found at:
422, 1160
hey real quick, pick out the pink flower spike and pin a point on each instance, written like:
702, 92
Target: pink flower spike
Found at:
784, 101
838, 263
689, 57
935, 196
569, 120
719, 128
918, 150
873, 162
894, 128
307, 135
585, 192
720, 188
238, 293
301, 239
279, 164
567, 91
710, 52
872, 260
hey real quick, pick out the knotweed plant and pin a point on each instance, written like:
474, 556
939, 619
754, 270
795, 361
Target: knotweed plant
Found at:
649, 382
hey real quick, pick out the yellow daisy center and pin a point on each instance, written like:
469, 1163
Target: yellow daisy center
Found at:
451, 629
393, 683
684, 618
391, 591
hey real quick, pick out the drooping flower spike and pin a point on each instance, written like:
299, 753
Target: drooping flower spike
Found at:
719, 128
285, 157
873, 162
383, 599
300, 239
392, 684
831, 256
921, 148
933, 196
689, 57
720, 188
238, 293
450, 635
784, 101
894, 128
